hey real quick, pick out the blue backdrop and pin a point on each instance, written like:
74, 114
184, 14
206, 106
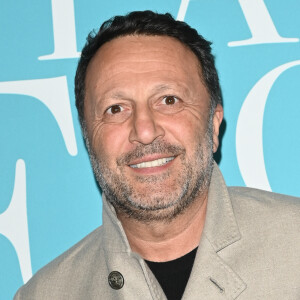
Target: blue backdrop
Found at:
48, 196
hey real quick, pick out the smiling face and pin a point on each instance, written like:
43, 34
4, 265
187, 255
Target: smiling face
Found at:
150, 131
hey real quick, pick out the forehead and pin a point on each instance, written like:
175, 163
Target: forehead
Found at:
143, 55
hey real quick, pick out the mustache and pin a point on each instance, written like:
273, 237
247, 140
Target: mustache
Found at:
157, 147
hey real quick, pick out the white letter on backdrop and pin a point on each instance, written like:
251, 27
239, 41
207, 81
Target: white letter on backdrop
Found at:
63, 31
249, 135
52, 92
13, 222
260, 24
182, 10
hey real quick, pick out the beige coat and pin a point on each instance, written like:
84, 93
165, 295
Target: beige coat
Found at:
250, 249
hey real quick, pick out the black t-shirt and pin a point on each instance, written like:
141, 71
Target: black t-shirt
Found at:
173, 275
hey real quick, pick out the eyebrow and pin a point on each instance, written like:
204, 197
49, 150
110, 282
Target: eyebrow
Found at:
118, 95
115, 95
162, 87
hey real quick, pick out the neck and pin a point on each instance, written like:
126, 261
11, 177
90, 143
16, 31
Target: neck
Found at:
163, 241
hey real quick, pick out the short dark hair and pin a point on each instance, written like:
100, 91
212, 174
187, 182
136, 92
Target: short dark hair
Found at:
151, 24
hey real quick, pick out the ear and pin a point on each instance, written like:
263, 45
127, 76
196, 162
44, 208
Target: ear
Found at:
217, 120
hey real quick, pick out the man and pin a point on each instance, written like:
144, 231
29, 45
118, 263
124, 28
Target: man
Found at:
149, 102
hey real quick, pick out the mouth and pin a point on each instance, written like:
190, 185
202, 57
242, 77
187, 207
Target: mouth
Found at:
153, 163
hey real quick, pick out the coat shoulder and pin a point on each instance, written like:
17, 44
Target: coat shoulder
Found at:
267, 212
241, 196
65, 269
267, 255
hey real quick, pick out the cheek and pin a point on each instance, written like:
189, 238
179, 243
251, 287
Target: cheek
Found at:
110, 141
186, 128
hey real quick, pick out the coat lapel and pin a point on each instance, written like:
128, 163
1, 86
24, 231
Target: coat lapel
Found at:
211, 277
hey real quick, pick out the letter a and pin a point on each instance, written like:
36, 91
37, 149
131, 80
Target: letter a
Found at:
260, 24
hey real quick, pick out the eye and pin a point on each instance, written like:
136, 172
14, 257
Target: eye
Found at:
116, 113
114, 109
169, 104
170, 100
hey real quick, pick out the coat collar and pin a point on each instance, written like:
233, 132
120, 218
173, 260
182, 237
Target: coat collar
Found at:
210, 274
114, 235
220, 226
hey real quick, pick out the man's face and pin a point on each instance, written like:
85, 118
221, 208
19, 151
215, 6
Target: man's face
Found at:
149, 127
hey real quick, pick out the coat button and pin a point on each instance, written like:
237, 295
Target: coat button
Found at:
116, 280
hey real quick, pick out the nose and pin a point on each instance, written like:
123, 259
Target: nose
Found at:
145, 126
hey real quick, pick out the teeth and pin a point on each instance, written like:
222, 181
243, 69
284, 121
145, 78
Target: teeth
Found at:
153, 163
